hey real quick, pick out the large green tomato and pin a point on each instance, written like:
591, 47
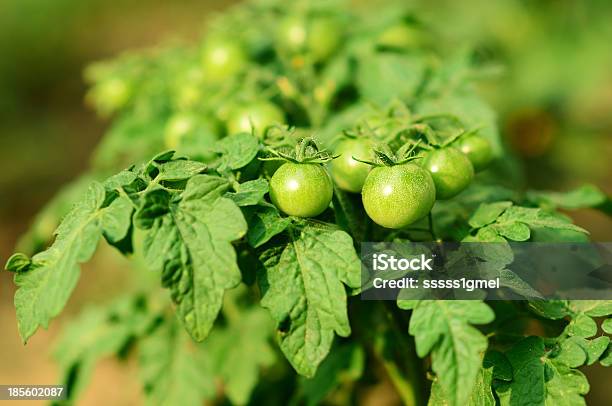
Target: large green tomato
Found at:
258, 115
302, 190
318, 36
348, 173
192, 134
222, 59
451, 171
397, 196
478, 150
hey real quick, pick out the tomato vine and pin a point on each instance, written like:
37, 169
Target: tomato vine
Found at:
293, 141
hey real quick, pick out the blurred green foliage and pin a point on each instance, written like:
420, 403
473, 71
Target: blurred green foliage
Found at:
551, 79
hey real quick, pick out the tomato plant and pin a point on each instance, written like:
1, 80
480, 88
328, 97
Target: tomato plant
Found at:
212, 179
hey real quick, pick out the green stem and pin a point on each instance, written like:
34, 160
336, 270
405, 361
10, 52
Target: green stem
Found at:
304, 144
403, 387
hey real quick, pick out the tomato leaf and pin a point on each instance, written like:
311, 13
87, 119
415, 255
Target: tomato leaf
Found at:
606, 358
188, 240
572, 353
18, 263
52, 275
487, 213
237, 150
537, 218
582, 326
302, 286
582, 197
265, 222
117, 219
444, 328
539, 380
179, 169
515, 231
250, 193
607, 326
97, 333
481, 395
169, 371
345, 364
40, 233
240, 350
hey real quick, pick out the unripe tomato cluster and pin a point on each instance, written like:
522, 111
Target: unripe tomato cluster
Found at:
394, 196
224, 58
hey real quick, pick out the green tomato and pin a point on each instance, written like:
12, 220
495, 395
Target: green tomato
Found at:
188, 91
478, 150
292, 34
111, 95
302, 190
451, 171
259, 116
192, 135
222, 59
324, 37
348, 173
318, 37
397, 196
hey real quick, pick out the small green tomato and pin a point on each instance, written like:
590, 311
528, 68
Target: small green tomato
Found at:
111, 95
318, 36
397, 196
478, 150
451, 171
301, 189
222, 59
348, 173
258, 116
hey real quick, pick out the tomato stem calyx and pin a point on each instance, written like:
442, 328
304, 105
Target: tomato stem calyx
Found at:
306, 152
385, 157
